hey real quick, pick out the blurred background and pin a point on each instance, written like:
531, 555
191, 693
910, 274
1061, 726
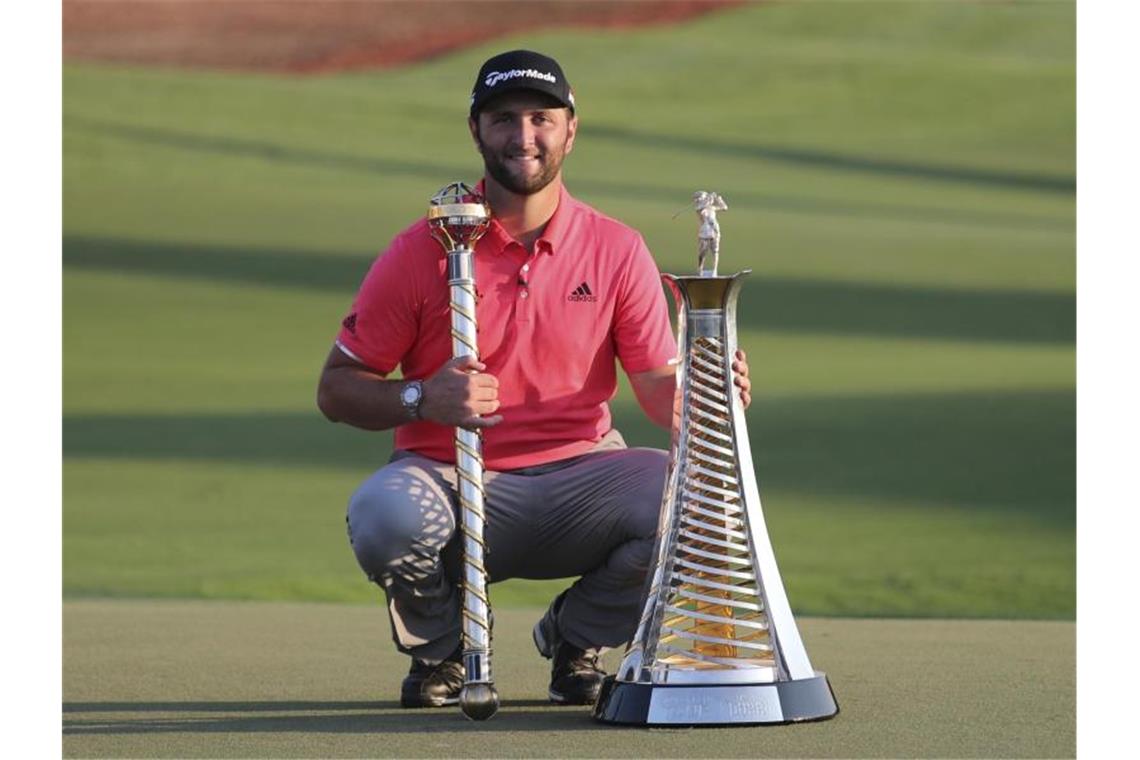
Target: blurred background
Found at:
901, 181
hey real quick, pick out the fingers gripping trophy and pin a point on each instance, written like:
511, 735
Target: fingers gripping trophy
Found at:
458, 217
716, 643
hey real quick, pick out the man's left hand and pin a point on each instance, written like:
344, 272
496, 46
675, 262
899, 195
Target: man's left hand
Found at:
740, 378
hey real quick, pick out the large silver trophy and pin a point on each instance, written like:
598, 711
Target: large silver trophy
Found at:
716, 643
458, 217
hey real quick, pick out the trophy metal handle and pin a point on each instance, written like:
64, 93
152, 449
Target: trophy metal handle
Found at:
457, 218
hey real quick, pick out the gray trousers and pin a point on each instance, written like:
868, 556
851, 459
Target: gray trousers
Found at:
593, 516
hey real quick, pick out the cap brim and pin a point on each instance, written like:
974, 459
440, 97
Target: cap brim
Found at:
513, 87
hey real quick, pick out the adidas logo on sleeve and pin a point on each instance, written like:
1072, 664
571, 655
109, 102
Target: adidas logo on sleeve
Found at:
582, 293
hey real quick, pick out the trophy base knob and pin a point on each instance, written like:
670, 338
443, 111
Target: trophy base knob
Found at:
479, 701
642, 704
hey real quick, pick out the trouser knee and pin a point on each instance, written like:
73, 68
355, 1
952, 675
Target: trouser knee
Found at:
631, 560
398, 524
645, 499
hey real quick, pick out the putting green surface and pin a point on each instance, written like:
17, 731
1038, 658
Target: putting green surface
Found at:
256, 679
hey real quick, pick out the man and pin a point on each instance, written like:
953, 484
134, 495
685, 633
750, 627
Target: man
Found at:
563, 292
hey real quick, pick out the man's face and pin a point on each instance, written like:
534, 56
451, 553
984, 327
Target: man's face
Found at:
524, 137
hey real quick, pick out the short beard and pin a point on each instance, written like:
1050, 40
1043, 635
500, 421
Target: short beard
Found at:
520, 185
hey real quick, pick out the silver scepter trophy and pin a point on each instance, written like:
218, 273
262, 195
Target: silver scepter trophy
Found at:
716, 642
458, 217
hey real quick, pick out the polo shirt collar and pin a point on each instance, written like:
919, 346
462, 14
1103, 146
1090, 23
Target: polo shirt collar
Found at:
558, 226
552, 237
497, 237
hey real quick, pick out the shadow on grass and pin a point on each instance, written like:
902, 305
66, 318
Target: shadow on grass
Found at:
884, 310
749, 201
315, 717
1046, 183
244, 147
1005, 451
770, 303
334, 272
237, 146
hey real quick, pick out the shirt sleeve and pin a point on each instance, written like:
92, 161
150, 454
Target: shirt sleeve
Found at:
382, 324
643, 337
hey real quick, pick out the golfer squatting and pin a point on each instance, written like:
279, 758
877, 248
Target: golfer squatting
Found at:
564, 293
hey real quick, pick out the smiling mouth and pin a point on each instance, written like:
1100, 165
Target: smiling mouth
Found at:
527, 165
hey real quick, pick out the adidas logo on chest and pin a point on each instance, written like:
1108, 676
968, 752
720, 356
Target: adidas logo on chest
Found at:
582, 293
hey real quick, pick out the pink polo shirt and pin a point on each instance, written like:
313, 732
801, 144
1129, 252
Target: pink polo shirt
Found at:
551, 326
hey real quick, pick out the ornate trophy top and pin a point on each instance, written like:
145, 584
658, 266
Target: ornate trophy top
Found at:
708, 236
458, 216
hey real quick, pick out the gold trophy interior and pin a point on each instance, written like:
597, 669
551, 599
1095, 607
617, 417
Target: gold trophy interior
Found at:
713, 618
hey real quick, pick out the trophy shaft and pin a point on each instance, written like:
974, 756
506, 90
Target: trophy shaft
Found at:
464, 327
457, 218
472, 497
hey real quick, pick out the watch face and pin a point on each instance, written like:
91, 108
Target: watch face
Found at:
410, 394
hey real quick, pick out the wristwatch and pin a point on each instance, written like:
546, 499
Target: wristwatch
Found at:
411, 395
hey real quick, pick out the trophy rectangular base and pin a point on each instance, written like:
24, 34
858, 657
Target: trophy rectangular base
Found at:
641, 704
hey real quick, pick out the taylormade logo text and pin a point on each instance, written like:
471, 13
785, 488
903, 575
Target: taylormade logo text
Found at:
494, 77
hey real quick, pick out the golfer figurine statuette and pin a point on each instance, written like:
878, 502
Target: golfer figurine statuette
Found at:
716, 642
458, 217
708, 235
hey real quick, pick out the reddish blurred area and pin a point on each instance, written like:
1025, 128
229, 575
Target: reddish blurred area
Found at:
313, 36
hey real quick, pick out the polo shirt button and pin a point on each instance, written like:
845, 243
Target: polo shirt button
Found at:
523, 294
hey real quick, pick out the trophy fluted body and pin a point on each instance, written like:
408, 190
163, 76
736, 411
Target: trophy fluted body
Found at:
716, 642
457, 218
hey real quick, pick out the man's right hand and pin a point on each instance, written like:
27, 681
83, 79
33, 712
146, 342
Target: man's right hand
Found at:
460, 394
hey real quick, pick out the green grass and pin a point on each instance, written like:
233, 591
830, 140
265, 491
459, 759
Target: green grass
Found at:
901, 180
145, 678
